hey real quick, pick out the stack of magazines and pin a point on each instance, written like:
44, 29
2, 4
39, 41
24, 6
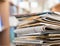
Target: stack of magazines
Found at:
43, 30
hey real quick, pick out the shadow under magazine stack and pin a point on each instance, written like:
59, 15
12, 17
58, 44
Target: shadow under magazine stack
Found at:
42, 29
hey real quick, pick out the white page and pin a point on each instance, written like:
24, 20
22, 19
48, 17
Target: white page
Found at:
13, 21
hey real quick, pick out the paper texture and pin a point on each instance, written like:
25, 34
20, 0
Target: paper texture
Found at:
13, 21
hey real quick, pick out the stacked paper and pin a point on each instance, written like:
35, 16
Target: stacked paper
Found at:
43, 30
